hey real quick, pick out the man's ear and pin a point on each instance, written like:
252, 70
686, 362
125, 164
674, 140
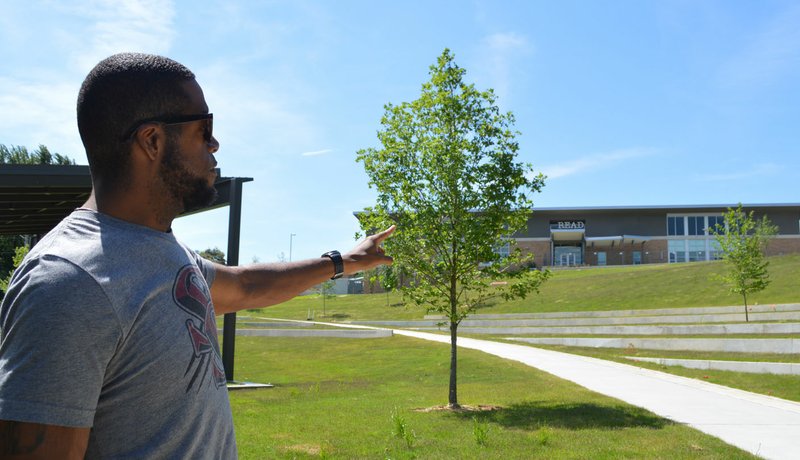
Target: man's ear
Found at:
150, 140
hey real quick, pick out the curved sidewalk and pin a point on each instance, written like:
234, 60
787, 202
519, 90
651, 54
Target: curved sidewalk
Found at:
763, 425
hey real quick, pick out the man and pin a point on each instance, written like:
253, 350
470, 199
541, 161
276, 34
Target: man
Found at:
108, 344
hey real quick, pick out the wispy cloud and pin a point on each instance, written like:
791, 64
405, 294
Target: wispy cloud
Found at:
772, 54
124, 25
594, 162
316, 153
763, 169
497, 52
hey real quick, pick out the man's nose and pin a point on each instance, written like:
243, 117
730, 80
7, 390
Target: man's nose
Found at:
213, 145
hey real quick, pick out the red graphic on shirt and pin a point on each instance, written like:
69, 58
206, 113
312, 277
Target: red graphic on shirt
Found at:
192, 295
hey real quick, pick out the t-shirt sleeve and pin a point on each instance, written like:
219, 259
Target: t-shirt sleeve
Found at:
206, 267
58, 332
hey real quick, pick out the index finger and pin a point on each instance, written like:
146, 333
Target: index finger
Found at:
379, 237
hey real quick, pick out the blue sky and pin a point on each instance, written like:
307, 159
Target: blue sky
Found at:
618, 102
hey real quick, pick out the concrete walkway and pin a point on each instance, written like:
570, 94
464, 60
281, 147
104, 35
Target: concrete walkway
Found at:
763, 425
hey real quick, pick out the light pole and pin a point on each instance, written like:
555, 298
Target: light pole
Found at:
291, 235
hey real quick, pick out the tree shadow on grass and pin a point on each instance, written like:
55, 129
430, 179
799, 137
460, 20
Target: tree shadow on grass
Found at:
339, 316
532, 415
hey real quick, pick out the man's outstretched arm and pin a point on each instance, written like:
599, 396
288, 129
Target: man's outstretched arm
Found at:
261, 285
23, 440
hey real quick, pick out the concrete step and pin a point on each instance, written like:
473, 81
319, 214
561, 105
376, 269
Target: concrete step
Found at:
601, 321
750, 367
779, 346
629, 313
691, 329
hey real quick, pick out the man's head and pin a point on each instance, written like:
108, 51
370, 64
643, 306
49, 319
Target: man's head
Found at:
121, 91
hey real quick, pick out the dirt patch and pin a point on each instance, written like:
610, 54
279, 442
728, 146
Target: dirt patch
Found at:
462, 408
309, 449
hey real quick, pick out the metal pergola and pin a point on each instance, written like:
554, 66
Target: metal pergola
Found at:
34, 198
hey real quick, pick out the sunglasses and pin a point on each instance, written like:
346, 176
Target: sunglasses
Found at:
176, 120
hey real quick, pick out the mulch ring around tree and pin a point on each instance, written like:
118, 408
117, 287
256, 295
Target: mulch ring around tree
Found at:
461, 408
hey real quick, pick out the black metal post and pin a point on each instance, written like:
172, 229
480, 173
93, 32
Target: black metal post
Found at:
234, 229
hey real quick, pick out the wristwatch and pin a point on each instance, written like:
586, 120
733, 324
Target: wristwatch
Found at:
338, 263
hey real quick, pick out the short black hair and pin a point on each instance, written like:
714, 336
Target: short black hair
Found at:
118, 92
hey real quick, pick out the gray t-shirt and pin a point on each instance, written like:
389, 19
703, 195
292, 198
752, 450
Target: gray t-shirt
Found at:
110, 325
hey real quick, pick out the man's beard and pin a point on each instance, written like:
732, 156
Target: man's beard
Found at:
190, 190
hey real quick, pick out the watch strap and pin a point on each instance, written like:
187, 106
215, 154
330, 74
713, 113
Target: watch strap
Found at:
338, 263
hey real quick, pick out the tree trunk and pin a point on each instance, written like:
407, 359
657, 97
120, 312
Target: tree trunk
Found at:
746, 317
452, 399
453, 394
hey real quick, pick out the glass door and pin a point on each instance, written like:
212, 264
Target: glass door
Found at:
568, 255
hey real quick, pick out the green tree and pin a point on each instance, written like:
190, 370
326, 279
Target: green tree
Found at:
447, 176
19, 254
742, 240
214, 255
20, 155
8, 247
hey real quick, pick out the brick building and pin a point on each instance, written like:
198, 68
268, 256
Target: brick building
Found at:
641, 235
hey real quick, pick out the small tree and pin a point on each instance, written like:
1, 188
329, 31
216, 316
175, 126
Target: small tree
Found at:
214, 255
325, 290
385, 277
446, 175
742, 240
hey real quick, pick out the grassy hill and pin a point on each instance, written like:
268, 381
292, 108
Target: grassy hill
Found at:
596, 288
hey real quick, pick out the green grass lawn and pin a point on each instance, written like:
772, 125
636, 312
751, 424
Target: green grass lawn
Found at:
592, 289
359, 399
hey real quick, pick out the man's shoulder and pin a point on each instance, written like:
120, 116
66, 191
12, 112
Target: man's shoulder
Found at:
71, 240
90, 238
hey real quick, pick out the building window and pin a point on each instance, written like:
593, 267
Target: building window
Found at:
697, 250
700, 244
675, 226
713, 222
502, 250
714, 250
696, 225
677, 250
